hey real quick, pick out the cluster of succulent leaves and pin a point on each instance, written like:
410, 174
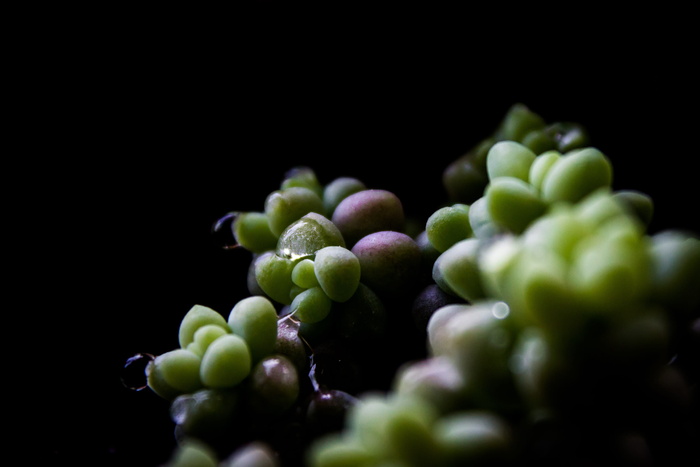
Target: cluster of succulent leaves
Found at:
570, 314
546, 311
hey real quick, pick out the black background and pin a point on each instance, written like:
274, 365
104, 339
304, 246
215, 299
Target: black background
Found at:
140, 137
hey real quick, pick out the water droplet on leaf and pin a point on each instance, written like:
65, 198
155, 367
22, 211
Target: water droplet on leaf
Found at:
134, 372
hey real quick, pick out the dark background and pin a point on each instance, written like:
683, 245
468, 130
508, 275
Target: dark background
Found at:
149, 137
